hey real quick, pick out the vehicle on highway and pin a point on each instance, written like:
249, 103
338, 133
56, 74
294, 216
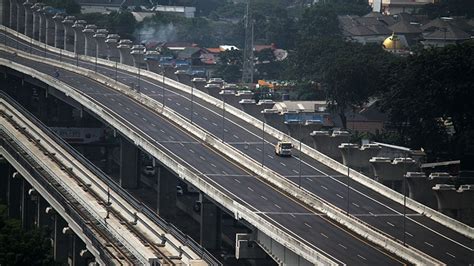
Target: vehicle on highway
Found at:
149, 170
212, 85
231, 86
180, 72
215, 80
283, 148
198, 80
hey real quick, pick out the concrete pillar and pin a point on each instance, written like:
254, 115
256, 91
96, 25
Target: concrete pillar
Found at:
129, 155
152, 61
124, 50
13, 13
302, 129
101, 48
79, 40
50, 27
328, 143
20, 16
14, 195
58, 31
227, 95
357, 158
77, 248
90, 44
68, 33
112, 51
138, 52
391, 173
42, 25
211, 226
42, 218
36, 19
466, 206
4, 176
27, 206
28, 18
166, 187
60, 240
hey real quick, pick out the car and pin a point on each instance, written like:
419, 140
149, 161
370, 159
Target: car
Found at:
149, 170
227, 92
198, 80
265, 101
247, 101
212, 85
283, 148
180, 72
215, 80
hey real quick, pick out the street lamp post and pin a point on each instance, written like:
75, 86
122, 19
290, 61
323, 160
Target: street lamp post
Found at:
348, 179
263, 144
404, 201
192, 101
163, 86
116, 72
223, 118
299, 154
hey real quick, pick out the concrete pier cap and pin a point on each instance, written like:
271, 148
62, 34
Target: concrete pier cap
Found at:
28, 18
111, 42
124, 47
59, 31
138, 52
78, 27
68, 33
90, 44
100, 37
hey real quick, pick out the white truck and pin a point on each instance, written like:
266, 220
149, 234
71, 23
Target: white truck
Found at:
283, 148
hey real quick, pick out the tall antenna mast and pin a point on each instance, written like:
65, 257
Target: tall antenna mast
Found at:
248, 66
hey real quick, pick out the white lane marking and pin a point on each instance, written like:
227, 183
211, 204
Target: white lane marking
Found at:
213, 165
186, 108
153, 125
205, 118
145, 89
294, 171
409, 234
282, 163
195, 113
202, 158
277, 206
371, 214
120, 104
429, 244
389, 223
224, 172
181, 144
271, 156
154, 92
172, 138
341, 245
214, 124
178, 104
263, 197
324, 235
144, 119
361, 257
355, 204
226, 130
258, 149
236, 180
169, 99
339, 196
113, 100
309, 179
292, 215
324, 187
249, 188
308, 225
136, 113
128, 109
235, 136
162, 131
191, 150
449, 254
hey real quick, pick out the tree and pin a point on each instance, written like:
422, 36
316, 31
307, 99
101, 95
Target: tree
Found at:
449, 8
69, 6
229, 66
429, 99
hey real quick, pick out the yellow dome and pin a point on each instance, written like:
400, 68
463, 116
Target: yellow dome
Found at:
393, 43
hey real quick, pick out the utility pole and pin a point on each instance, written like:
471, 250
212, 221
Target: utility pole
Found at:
248, 63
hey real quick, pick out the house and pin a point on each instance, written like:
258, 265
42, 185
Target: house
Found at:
391, 7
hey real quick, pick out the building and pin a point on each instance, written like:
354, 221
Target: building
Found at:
391, 7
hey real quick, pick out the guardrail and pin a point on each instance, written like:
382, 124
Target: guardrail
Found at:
376, 236
354, 175
183, 171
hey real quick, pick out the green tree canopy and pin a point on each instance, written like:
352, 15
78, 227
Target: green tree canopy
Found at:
70, 6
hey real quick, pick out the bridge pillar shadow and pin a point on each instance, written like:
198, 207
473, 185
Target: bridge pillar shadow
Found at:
211, 224
27, 205
166, 193
129, 158
60, 240
14, 196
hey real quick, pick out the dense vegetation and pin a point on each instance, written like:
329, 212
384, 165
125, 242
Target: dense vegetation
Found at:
19, 247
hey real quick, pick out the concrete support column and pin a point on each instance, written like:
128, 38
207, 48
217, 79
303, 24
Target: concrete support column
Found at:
27, 206
42, 219
77, 248
211, 225
137, 53
60, 240
58, 31
42, 26
28, 18
4, 176
90, 44
166, 187
20, 16
14, 195
36, 19
101, 48
112, 50
50, 29
152, 60
124, 49
5, 12
129, 156
328, 144
79, 40
68, 33
358, 158
13, 13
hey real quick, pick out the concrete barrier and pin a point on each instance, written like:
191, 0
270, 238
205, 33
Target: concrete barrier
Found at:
191, 175
354, 175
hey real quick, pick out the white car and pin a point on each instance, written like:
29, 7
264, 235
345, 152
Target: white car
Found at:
180, 72
198, 80
212, 85
149, 170
215, 80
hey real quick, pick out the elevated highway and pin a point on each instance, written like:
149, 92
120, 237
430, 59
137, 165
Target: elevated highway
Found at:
114, 227
374, 207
